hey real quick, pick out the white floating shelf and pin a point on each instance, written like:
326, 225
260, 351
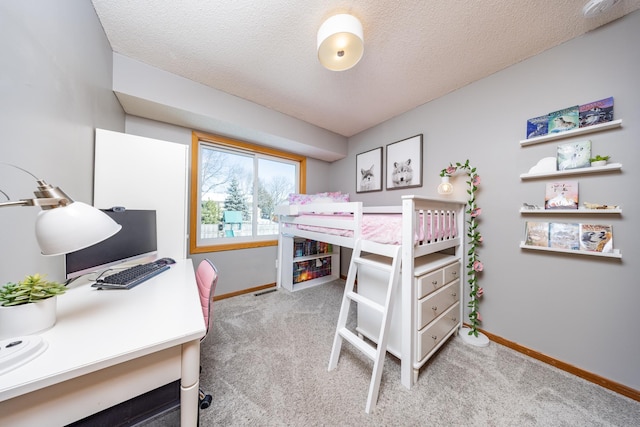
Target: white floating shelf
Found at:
592, 169
615, 254
570, 211
570, 133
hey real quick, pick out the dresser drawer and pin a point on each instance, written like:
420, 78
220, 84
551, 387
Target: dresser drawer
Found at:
452, 272
434, 333
437, 303
430, 282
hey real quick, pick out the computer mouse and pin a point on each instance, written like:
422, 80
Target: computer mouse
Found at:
165, 261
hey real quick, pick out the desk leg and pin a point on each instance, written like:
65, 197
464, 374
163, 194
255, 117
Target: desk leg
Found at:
190, 383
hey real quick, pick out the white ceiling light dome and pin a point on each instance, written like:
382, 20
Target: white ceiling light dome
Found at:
596, 7
340, 42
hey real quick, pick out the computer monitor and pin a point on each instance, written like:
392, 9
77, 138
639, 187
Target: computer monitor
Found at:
136, 240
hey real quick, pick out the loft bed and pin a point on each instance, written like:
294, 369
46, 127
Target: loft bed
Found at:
430, 232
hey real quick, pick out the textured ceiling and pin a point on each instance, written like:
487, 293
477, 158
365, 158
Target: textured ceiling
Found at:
415, 50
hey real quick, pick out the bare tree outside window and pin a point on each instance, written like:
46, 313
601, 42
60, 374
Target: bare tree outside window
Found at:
240, 185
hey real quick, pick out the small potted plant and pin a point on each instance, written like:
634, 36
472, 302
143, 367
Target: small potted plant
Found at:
599, 160
28, 306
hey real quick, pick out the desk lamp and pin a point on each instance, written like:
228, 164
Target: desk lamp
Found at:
64, 225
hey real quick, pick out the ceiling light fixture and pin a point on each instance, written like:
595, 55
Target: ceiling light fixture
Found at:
596, 7
340, 42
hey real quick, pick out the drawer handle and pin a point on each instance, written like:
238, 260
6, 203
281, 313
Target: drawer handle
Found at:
454, 273
434, 308
455, 319
453, 294
435, 282
435, 337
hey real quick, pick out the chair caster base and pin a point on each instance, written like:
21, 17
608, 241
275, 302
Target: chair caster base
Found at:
205, 400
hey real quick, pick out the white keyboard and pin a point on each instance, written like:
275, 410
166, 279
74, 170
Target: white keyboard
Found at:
17, 351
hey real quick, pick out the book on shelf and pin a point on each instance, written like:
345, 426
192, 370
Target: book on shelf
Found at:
564, 235
596, 112
561, 195
310, 247
536, 234
564, 120
574, 155
311, 269
596, 238
537, 126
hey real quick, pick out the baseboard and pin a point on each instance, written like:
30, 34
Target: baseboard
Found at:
591, 377
244, 291
252, 290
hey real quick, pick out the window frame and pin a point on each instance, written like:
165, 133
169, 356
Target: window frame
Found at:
224, 142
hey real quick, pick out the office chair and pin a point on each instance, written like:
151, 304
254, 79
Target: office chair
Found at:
206, 278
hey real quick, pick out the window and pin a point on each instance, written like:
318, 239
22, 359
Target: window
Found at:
235, 187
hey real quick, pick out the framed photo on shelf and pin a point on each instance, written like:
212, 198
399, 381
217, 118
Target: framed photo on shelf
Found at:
369, 171
404, 163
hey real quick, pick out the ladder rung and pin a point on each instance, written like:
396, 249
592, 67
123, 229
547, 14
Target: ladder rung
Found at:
375, 264
365, 301
358, 342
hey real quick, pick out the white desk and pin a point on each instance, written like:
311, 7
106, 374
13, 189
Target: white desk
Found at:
110, 346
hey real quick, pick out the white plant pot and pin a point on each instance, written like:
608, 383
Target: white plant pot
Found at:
27, 319
599, 163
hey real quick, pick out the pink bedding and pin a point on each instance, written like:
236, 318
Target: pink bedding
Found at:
387, 228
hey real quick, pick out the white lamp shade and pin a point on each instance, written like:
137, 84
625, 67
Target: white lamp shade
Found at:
340, 42
445, 186
72, 227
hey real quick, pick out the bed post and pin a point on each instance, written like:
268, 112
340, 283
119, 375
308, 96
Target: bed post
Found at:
279, 260
408, 292
461, 250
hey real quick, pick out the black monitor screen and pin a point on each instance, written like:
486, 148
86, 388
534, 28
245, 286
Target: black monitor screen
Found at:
137, 239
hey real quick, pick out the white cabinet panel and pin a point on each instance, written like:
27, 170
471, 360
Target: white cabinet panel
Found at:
144, 173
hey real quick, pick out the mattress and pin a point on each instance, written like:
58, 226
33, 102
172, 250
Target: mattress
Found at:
387, 228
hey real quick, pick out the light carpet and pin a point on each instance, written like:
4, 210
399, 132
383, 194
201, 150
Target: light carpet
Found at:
265, 363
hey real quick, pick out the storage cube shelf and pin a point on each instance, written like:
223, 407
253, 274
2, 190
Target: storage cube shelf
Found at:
314, 263
311, 269
306, 247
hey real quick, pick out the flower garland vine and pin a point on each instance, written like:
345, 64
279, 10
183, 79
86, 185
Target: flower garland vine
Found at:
474, 266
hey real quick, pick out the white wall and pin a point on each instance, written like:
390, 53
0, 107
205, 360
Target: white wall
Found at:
55, 90
579, 309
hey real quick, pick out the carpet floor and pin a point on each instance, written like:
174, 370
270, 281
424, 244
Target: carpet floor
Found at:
265, 363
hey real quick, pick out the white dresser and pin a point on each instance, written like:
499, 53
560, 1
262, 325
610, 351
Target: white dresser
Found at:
437, 288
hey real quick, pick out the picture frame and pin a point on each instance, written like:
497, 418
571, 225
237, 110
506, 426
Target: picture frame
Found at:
369, 171
404, 163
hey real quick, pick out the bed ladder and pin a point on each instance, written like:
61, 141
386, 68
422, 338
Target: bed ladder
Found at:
375, 353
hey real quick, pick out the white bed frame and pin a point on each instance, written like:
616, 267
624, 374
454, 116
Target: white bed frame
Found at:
412, 206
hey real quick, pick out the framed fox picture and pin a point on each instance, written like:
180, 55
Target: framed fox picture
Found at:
369, 171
